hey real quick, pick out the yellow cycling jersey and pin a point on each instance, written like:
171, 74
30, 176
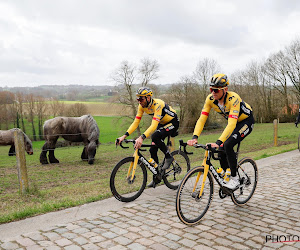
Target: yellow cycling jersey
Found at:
234, 110
162, 114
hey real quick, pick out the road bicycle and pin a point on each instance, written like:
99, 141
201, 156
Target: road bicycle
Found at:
129, 177
195, 192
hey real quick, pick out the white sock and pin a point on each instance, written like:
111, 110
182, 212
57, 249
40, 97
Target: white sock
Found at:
235, 178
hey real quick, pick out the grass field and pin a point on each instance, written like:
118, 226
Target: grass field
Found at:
73, 182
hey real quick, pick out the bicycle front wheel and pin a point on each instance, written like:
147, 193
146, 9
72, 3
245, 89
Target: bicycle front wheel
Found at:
179, 167
248, 175
190, 207
123, 188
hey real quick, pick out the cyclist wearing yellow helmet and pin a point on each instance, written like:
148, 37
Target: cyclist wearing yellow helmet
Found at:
240, 123
298, 119
164, 122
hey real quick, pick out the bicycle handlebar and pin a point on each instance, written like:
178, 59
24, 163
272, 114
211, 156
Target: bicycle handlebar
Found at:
133, 141
184, 144
206, 147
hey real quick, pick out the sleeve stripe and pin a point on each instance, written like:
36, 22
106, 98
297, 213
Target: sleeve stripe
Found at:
156, 119
204, 113
138, 117
233, 116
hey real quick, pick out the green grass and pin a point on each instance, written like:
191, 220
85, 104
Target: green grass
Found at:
73, 182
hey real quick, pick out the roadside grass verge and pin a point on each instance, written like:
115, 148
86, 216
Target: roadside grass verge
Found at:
73, 182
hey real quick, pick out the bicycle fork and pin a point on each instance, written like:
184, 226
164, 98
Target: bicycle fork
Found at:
206, 167
132, 167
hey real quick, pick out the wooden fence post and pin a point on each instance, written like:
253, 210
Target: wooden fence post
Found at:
275, 123
21, 161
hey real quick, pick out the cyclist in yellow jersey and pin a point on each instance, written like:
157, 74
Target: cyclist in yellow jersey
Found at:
240, 123
164, 122
298, 119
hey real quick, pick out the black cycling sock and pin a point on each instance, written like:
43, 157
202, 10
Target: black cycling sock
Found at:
168, 155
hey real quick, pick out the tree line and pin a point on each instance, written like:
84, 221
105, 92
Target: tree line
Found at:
271, 86
19, 109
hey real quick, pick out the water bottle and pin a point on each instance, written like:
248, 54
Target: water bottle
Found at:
227, 175
152, 162
221, 172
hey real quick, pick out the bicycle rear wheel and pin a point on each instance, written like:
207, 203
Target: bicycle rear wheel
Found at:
248, 175
124, 189
179, 167
191, 209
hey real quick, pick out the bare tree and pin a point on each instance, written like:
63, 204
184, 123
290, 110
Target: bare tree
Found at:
56, 107
293, 65
41, 107
77, 109
148, 71
275, 67
127, 75
31, 105
20, 99
6, 100
205, 69
183, 94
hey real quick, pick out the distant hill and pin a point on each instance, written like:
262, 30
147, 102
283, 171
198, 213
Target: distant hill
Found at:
65, 92
74, 92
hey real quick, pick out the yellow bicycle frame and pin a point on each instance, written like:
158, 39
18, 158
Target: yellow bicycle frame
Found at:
206, 168
133, 164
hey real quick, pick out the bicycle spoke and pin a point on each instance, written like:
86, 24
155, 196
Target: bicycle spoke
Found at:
247, 172
189, 206
179, 167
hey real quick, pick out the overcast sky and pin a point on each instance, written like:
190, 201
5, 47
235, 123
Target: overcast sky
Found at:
83, 42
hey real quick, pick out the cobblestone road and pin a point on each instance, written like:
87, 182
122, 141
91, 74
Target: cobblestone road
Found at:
271, 217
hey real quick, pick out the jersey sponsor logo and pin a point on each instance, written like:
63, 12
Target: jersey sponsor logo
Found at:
158, 108
138, 117
217, 176
156, 119
246, 110
245, 133
211, 98
243, 129
148, 165
233, 116
169, 126
236, 103
169, 112
235, 111
204, 113
234, 136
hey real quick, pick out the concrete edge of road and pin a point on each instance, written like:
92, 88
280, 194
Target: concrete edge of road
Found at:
45, 221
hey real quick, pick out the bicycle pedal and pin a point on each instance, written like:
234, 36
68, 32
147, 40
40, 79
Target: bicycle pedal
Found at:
152, 184
222, 195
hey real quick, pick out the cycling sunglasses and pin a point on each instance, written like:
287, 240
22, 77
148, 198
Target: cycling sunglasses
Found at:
140, 99
216, 90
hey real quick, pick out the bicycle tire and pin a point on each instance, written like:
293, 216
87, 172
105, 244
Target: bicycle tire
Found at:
120, 187
299, 143
191, 210
248, 174
179, 167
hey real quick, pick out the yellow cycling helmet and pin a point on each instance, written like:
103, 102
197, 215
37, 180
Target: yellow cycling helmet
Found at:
219, 80
144, 91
